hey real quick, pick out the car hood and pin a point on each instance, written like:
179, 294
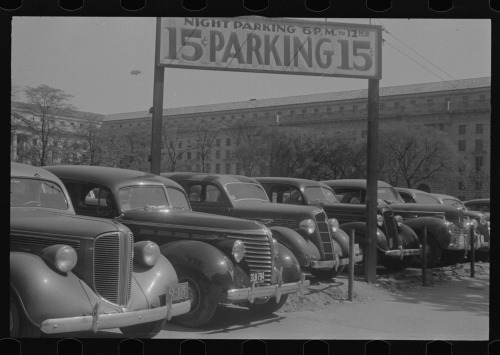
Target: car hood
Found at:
451, 213
43, 222
190, 219
275, 210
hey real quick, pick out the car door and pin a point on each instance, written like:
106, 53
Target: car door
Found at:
207, 197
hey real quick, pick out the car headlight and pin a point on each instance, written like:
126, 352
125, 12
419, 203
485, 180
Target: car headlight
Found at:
275, 248
146, 253
238, 250
474, 223
483, 221
380, 220
334, 224
308, 226
399, 220
62, 257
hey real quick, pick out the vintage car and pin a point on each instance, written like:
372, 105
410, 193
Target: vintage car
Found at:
479, 204
223, 260
396, 243
70, 273
321, 247
447, 230
480, 220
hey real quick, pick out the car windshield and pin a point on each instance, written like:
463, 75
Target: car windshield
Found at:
425, 198
178, 199
134, 197
238, 191
317, 194
388, 194
37, 193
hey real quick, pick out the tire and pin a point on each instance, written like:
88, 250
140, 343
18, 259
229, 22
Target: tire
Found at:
483, 256
396, 264
147, 330
328, 274
269, 307
434, 255
20, 327
203, 307
453, 257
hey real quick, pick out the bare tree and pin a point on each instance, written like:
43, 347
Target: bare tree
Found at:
173, 144
249, 151
46, 104
206, 134
418, 153
89, 133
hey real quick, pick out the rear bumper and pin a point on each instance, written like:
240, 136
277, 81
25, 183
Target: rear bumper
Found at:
96, 321
253, 292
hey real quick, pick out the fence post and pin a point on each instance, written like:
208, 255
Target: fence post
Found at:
351, 265
424, 258
472, 250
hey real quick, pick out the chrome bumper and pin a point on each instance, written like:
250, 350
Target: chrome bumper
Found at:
96, 321
401, 253
253, 292
330, 264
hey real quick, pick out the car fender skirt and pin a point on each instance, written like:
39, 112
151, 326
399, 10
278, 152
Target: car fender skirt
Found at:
291, 269
202, 258
304, 250
361, 233
44, 293
436, 228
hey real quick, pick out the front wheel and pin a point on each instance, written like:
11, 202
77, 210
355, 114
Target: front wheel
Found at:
433, 254
270, 306
203, 307
396, 264
147, 330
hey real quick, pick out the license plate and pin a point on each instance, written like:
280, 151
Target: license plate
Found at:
356, 249
178, 291
257, 277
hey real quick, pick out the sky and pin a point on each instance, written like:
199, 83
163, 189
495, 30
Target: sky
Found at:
92, 59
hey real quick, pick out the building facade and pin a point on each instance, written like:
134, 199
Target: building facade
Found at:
63, 135
460, 108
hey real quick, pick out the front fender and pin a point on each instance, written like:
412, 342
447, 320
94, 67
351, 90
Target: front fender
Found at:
408, 237
152, 283
361, 233
303, 249
43, 293
437, 229
203, 259
286, 260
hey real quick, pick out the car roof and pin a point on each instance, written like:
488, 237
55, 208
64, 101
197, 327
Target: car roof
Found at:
220, 178
29, 171
353, 183
293, 181
478, 200
111, 177
444, 197
413, 191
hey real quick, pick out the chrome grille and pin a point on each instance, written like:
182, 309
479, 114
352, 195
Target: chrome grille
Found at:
324, 235
258, 255
113, 267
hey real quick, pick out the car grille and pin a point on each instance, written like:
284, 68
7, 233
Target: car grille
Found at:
258, 256
324, 235
113, 267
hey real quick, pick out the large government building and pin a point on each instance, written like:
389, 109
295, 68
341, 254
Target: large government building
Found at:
460, 108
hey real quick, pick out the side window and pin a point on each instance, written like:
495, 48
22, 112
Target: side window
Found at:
292, 196
204, 193
194, 193
406, 197
349, 195
213, 194
91, 200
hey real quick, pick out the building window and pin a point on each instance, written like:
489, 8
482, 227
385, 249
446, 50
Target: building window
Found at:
228, 168
179, 144
223, 117
180, 156
188, 155
304, 111
479, 145
228, 142
198, 155
364, 133
255, 115
207, 168
217, 154
354, 107
279, 112
198, 168
341, 108
217, 168
482, 97
479, 128
430, 101
316, 110
381, 105
238, 169
228, 154
267, 114
479, 163
233, 116
461, 145
465, 98
328, 109
292, 112
461, 185
217, 142
396, 104
478, 185
212, 118
462, 129
242, 116
413, 102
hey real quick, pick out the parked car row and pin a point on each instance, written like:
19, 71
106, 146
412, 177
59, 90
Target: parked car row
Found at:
99, 247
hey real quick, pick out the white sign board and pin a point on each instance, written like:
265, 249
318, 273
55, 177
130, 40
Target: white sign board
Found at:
285, 46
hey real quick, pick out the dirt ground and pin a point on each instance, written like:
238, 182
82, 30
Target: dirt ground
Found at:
323, 294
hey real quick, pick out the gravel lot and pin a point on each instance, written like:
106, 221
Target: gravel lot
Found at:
327, 294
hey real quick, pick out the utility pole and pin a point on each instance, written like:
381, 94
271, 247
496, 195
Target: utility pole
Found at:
156, 124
